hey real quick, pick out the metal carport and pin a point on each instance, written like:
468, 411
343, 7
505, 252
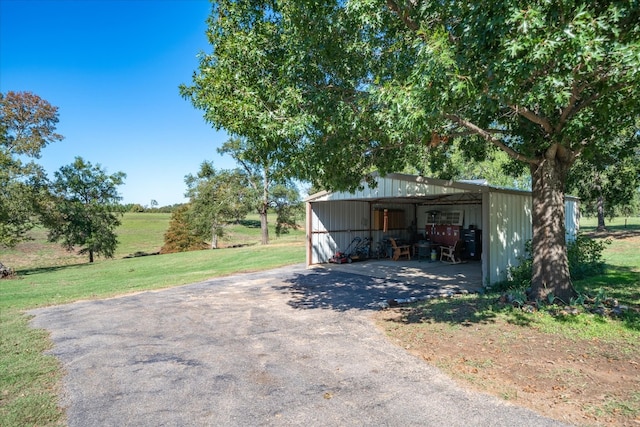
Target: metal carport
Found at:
502, 216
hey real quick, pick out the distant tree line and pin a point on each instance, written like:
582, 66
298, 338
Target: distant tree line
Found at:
138, 208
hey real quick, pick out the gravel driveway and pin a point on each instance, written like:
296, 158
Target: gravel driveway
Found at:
288, 346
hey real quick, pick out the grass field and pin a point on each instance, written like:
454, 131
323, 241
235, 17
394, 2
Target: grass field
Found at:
48, 275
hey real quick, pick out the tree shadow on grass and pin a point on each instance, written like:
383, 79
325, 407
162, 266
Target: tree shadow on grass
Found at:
622, 283
250, 223
615, 232
463, 311
39, 270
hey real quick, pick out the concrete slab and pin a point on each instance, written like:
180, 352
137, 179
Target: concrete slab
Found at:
446, 277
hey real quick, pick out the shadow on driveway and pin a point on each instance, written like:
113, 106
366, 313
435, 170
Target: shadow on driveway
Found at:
342, 291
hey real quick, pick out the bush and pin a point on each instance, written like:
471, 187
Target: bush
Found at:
585, 259
179, 237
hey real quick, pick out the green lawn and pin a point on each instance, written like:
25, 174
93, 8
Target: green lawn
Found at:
141, 232
615, 224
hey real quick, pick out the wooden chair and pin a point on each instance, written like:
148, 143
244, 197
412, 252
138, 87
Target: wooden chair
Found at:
451, 254
398, 251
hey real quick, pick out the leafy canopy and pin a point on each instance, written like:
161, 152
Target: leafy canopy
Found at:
27, 125
336, 89
83, 208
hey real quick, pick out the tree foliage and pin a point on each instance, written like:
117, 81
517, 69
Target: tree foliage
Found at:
267, 178
335, 89
609, 185
180, 236
285, 201
83, 209
497, 169
216, 198
27, 125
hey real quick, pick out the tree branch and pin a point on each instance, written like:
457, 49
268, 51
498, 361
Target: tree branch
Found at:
590, 100
575, 104
488, 137
533, 117
404, 16
568, 111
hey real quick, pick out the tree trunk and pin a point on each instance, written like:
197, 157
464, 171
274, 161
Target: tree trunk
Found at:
264, 225
90, 255
214, 238
597, 182
600, 209
5, 271
264, 207
550, 273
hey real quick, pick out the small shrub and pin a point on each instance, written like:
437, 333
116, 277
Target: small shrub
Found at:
179, 237
584, 255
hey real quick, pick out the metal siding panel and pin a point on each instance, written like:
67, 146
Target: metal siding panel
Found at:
335, 225
571, 219
473, 216
510, 228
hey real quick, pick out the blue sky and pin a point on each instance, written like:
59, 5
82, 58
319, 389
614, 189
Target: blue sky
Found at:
113, 68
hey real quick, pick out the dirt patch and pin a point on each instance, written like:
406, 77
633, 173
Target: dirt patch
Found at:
578, 381
575, 381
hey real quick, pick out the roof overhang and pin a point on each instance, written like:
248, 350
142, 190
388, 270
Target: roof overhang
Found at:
448, 191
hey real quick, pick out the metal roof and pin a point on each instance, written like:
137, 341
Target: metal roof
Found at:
415, 189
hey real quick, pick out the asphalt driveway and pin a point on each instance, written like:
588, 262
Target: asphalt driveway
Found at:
284, 347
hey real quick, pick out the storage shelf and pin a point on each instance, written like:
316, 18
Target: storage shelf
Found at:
445, 218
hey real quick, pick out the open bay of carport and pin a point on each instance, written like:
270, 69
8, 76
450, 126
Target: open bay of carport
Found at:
290, 346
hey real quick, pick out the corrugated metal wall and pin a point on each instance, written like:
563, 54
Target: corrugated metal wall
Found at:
334, 225
572, 218
509, 229
510, 218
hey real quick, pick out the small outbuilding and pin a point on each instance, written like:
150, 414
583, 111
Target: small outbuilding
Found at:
494, 223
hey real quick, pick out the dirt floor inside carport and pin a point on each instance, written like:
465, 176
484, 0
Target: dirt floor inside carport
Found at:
582, 382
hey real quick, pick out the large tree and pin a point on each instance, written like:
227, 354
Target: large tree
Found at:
610, 184
217, 197
82, 210
27, 125
338, 88
265, 173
